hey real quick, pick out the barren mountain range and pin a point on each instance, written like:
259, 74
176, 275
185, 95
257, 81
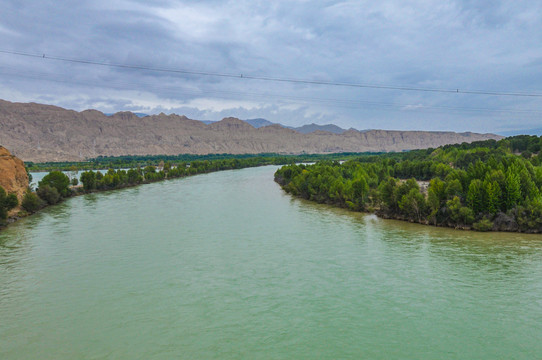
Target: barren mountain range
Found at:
36, 132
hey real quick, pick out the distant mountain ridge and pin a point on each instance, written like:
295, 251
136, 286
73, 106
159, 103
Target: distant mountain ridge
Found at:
305, 129
138, 114
37, 132
537, 132
332, 128
259, 122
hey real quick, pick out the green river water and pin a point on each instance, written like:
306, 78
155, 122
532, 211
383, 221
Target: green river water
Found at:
227, 266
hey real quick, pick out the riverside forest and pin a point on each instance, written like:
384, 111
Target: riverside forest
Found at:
486, 185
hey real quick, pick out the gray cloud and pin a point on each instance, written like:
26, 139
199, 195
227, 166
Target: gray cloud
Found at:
444, 44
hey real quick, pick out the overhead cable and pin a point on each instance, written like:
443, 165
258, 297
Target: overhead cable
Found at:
273, 79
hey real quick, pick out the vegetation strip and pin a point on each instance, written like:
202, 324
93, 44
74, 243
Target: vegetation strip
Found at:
486, 185
135, 161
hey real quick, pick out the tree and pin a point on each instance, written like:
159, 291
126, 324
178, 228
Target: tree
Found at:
31, 202
150, 171
453, 189
436, 196
413, 204
88, 178
49, 194
57, 180
493, 197
7, 202
513, 189
459, 214
475, 196
133, 177
360, 192
387, 194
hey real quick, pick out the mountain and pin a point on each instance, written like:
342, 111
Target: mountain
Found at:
537, 132
37, 132
259, 122
307, 129
136, 114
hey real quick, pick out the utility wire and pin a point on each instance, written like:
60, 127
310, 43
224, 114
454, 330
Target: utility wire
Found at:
228, 94
274, 79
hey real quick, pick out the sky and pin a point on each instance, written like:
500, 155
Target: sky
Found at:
445, 65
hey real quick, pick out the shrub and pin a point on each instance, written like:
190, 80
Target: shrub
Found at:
483, 225
7, 202
49, 194
32, 202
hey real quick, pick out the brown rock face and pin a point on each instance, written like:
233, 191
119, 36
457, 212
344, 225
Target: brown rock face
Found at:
36, 132
13, 176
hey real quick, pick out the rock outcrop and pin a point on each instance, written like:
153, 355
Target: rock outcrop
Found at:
13, 176
36, 132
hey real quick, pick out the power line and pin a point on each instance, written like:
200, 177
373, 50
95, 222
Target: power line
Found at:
227, 94
273, 79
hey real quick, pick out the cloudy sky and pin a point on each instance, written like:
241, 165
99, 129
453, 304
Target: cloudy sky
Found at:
212, 59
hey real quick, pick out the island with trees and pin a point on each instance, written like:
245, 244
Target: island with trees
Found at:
486, 185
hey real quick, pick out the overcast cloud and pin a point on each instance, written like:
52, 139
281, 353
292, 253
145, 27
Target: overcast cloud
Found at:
492, 46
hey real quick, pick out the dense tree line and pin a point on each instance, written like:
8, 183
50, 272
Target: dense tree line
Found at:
490, 185
134, 161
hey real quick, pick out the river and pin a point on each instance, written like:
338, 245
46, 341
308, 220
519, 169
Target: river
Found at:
226, 266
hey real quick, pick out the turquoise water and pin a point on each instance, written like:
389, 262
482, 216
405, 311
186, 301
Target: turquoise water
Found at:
225, 265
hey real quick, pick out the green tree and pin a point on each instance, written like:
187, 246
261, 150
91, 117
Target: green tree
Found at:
513, 189
529, 215
413, 204
360, 191
49, 194
459, 214
475, 196
493, 197
387, 194
31, 202
453, 189
7, 202
133, 177
436, 196
57, 180
88, 178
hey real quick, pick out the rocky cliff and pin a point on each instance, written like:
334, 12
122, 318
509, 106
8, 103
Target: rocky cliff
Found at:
13, 176
37, 132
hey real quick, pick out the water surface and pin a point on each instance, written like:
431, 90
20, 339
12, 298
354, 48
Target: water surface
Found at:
225, 265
